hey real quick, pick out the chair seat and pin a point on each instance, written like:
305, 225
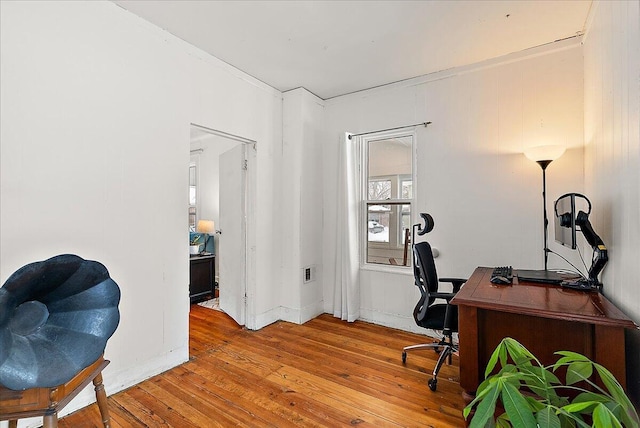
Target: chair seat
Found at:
435, 321
48, 401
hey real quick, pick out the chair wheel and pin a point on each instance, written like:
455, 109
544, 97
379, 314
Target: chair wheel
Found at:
433, 384
404, 357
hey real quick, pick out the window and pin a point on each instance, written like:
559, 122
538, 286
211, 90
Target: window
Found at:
192, 197
388, 178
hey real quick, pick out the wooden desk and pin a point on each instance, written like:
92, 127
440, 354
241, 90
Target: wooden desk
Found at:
544, 318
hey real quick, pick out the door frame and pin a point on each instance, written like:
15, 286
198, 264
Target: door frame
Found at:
249, 220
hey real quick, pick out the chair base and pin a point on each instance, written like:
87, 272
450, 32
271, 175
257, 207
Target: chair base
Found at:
445, 348
46, 402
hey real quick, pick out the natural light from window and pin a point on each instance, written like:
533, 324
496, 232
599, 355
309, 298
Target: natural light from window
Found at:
388, 199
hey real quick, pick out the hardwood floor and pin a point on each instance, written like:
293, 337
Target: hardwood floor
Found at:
325, 373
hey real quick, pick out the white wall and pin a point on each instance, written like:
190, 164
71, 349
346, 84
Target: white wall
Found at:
94, 147
484, 195
612, 156
301, 205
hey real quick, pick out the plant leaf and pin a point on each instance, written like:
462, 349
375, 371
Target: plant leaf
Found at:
539, 380
579, 407
503, 355
484, 388
492, 361
572, 356
612, 384
571, 420
517, 408
547, 418
518, 353
579, 371
603, 418
630, 417
535, 405
487, 406
569, 357
590, 396
502, 421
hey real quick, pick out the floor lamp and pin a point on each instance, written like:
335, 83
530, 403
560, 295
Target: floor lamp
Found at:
544, 155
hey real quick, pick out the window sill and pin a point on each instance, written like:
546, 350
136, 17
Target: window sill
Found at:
399, 270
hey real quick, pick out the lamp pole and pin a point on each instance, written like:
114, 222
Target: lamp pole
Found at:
544, 164
543, 156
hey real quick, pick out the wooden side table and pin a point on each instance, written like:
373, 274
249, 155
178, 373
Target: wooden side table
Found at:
201, 277
47, 402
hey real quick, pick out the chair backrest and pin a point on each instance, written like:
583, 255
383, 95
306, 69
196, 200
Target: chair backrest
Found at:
426, 267
426, 278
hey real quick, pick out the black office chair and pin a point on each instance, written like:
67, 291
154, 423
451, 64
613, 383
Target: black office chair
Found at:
440, 316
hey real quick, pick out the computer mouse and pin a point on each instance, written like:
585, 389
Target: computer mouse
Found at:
500, 280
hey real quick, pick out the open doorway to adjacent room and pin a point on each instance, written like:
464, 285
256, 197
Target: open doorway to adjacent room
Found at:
221, 199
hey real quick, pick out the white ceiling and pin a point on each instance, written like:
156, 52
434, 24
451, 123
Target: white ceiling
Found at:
333, 48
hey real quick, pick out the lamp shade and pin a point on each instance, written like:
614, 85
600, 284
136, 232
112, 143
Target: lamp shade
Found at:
544, 153
206, 226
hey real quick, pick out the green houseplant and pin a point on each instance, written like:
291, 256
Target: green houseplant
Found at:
194, 245
529, 393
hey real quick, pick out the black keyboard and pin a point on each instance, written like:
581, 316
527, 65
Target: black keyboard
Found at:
502, 275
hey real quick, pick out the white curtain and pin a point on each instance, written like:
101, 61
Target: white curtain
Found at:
346, 294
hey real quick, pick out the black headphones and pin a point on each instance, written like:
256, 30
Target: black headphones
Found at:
565, 218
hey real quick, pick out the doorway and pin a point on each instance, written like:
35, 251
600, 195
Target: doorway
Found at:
224, 194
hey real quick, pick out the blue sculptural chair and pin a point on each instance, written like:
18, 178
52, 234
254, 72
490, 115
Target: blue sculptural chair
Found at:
55, 319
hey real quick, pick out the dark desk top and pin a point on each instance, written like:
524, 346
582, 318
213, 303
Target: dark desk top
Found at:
549, 301
201, 256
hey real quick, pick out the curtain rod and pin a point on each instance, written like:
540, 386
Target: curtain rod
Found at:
390, 129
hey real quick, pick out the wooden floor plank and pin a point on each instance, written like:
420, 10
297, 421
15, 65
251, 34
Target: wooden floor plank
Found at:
324, 373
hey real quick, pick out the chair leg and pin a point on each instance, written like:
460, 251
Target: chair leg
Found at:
435, 346
101, 398
50, 420
445, 354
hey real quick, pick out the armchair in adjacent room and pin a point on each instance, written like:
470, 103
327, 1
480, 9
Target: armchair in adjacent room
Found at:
431, 315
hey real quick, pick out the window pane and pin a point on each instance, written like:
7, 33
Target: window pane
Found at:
387, 227
378, 223
405, 222
192, 184
192, 219
388, 160
379, 190
192, 195
406, 190
192, 175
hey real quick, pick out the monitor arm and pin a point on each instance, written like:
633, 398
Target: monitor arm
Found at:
600, 256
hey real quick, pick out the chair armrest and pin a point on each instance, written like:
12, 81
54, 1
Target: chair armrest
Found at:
457, 282
447, 296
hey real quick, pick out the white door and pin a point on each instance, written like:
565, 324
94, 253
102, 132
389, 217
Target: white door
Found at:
232, 239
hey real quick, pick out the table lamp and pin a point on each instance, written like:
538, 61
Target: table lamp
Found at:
544, 155
207, 227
